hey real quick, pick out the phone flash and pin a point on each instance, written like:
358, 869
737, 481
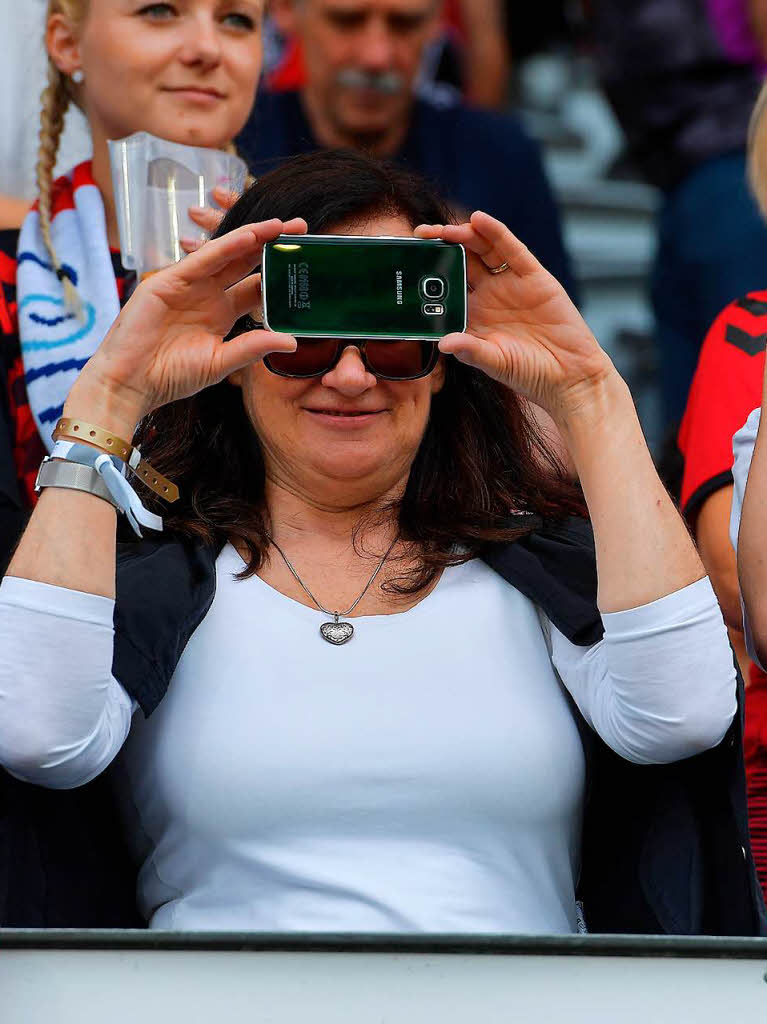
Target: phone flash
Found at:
434, 309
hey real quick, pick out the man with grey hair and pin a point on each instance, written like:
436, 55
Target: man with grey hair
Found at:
361, 65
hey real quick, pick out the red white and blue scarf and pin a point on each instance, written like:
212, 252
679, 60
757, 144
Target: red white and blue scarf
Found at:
55, 343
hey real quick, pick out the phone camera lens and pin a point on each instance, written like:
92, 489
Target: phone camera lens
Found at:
434, 288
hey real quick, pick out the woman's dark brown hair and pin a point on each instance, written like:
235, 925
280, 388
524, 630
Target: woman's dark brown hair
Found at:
481, 458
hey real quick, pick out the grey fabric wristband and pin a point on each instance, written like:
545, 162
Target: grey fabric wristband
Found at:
72, 476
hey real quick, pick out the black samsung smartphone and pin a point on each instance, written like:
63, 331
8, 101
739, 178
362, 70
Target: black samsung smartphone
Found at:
352, 286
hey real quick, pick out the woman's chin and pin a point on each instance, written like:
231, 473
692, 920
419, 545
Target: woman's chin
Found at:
349, 462
192, 128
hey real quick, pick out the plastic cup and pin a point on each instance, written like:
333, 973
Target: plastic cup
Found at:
155, 184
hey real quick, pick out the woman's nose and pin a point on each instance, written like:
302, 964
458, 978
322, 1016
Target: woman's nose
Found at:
202, 44
350, 376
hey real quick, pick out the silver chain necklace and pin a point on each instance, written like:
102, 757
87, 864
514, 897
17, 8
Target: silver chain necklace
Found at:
335, 632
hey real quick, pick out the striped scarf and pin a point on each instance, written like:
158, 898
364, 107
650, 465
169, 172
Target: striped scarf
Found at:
55, 344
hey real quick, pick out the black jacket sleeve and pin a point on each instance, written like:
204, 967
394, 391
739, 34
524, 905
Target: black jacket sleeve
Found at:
164, 590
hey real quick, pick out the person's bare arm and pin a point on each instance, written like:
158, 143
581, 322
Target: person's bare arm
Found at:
643, 549
712, 533
12, 211
757, 11
487, 59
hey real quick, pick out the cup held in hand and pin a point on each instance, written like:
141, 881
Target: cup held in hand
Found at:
155, 183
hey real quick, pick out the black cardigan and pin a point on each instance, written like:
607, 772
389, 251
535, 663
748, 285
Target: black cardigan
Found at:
665, 848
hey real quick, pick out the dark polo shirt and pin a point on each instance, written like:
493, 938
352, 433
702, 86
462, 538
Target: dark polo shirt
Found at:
477, 160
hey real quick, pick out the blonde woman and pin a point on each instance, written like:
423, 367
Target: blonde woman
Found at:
186, 71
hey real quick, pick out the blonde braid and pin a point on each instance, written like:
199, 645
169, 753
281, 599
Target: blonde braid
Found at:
54, 102
232, 149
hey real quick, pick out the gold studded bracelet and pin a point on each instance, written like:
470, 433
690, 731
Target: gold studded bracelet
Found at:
68, 429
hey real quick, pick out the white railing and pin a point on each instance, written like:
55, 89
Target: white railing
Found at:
165, 978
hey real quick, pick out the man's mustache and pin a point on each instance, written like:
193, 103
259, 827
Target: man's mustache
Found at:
387, 83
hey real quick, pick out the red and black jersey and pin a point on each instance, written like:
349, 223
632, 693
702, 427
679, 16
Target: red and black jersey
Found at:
28, 449
726, 387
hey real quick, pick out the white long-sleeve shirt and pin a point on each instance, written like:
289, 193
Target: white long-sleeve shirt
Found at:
427, 776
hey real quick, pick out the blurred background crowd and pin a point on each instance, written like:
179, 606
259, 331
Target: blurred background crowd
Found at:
610, 135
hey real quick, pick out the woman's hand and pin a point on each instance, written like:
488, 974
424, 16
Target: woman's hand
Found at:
208, 218
167, 343
522, 330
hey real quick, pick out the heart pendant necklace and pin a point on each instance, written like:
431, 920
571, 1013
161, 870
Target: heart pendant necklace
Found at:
335, 632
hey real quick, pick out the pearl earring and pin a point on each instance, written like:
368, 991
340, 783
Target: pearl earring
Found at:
78, 76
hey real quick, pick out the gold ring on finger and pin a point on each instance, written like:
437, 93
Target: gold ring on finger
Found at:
499, 270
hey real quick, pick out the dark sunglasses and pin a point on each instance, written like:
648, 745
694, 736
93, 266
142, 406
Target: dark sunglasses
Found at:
389, 360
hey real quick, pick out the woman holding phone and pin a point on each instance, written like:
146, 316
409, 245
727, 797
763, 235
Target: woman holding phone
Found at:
185, 71
362, 683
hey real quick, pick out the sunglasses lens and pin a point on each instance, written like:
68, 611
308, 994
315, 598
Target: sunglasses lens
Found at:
313, 356
399, 359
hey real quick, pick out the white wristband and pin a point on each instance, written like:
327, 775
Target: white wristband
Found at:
111, 471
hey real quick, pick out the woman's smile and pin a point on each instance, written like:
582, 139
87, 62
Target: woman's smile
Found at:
345, 418
197, 94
